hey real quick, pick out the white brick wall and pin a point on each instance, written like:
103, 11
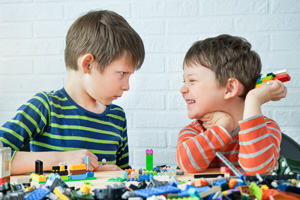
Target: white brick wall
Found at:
32, 35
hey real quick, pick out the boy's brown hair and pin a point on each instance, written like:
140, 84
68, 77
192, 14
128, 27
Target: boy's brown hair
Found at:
107, 36
228, 57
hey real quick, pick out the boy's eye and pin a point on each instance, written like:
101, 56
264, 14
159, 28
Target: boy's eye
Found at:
191, 81
122, 73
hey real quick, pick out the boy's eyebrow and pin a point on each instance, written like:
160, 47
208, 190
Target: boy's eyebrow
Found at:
189, 75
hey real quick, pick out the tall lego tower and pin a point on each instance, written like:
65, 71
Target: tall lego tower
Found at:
149, 159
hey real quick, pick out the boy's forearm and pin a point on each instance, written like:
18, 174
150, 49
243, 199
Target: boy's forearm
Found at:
252, 107
24, 162
196, 158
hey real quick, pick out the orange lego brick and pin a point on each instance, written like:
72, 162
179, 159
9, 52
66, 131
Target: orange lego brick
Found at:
200, 182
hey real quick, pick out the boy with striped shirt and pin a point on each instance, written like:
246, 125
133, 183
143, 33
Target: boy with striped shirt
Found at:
102, 52
220, 75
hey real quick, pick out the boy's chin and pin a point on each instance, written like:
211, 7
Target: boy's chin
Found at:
192, 116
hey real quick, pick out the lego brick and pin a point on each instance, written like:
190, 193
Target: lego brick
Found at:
149, 159
156, 191
75, 172
59, 191
38, 178
283, 78
267, 78
78, 167
77, 176
37, 194
198, 189
39, 167
75, 195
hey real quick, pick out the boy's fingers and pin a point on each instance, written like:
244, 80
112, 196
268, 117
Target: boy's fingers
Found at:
93, 164
93, 156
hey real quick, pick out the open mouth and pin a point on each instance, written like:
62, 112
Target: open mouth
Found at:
188, 101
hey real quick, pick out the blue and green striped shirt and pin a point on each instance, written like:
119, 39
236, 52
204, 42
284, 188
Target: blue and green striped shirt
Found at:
52, 121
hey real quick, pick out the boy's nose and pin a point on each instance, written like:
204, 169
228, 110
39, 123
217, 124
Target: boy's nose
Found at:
126, 86
183, 89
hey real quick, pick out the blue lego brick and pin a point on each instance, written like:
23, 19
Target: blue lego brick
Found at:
198, 189
38, 194
156, 191
90, 174
77, 176
146, 177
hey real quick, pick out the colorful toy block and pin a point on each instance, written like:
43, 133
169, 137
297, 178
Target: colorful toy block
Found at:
59, 191
38, 178
156, 191
38, 194
185, 192
78, 167
281, 75
149, 159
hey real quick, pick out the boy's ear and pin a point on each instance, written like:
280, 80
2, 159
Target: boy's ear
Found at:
86, 63
233, 88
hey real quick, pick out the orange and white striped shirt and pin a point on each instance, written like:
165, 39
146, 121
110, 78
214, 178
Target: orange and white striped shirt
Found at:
254, 146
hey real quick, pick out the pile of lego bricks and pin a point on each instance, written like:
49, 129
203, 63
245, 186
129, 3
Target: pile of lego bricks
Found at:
243, 187
158, 173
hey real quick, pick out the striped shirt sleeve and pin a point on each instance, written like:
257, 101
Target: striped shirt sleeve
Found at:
196, 147
28, 122
259, 140
123, 152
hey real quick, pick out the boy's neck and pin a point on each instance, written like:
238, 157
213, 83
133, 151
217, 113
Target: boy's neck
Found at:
236, 110
79, 95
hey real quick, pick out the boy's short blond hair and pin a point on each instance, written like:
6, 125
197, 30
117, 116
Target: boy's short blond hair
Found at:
228, 57
107, 36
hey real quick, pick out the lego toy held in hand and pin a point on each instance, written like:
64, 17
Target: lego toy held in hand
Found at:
281, 75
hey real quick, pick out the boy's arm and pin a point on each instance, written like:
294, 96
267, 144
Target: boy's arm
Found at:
258, 96
196, 148
28, 122
259, 140
260, 137
23, 162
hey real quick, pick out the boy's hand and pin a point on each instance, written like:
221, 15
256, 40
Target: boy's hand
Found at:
218, 118
273, 92
108, 168
258, 96
77, 157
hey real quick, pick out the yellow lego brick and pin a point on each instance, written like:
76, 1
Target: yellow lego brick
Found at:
85, 189
62, 168
38, 178
60, 195
258, 85
29, 188
78, 167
